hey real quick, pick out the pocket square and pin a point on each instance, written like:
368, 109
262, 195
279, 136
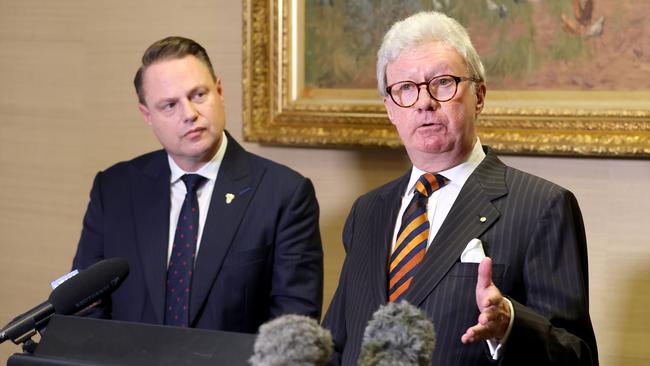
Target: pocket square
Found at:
473, 252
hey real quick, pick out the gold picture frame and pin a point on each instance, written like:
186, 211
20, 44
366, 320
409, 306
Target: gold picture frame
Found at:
277, 109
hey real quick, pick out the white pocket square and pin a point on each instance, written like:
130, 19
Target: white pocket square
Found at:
473, 252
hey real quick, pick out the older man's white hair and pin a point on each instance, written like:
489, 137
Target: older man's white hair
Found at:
421, 28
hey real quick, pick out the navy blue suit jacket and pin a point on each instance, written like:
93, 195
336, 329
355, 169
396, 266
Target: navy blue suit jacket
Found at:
533, 231
260, 256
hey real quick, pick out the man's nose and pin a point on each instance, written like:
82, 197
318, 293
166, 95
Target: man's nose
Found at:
190, 113
425, 101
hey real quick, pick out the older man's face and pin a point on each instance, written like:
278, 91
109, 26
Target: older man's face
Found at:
430, 130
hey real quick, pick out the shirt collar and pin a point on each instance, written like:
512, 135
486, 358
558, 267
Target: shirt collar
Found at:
458, 174
209, 170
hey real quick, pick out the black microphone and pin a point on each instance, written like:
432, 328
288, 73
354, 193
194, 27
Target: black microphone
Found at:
70, 297
398, 334
292, 340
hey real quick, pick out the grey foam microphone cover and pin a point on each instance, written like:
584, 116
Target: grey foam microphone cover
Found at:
399, 334
292, 340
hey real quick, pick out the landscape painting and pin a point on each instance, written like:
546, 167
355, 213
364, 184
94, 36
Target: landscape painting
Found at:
524, 44
564, 77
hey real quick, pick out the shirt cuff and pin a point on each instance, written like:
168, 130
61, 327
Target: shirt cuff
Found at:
496, 345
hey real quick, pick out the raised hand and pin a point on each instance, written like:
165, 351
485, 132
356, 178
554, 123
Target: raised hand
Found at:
495, 312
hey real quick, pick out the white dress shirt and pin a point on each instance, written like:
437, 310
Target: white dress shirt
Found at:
440, 202
203, 193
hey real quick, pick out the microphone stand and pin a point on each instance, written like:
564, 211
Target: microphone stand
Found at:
29, 346
30, 329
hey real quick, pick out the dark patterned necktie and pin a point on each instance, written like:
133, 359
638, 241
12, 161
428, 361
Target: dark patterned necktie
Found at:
181, 263
412, 238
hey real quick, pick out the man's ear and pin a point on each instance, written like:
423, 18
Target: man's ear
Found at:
481, 90
387, 105
218, 87
145, 113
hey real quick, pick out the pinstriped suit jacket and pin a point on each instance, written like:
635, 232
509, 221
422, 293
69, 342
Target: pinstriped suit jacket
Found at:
535, 235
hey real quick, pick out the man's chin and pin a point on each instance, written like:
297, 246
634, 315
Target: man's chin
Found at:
436, 146
205, 148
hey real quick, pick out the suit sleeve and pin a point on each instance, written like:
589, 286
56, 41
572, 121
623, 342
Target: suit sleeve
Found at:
297, 285
335, 317
91, 243
553, 326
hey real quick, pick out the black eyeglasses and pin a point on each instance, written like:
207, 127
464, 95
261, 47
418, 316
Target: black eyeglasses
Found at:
441, 88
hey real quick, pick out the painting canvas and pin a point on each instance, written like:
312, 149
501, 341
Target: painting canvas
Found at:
524, 44
565, 77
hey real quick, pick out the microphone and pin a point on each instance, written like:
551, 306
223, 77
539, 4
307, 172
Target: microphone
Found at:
398, 334
70, 297
292, 340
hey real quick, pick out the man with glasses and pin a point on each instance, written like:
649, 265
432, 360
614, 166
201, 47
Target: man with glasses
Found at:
496, 257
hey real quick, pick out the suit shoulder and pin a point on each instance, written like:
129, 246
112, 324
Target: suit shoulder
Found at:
497, 178
519, 181
392, 187
122, 168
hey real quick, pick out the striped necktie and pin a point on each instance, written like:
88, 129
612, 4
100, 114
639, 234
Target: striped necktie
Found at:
412, 238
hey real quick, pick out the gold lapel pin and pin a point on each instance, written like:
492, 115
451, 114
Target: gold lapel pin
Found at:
229, 198
482, 219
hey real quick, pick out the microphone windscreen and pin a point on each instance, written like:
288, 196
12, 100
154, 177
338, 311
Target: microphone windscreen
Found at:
398, 334
89, 285
292, 340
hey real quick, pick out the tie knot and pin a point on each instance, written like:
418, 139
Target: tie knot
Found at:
192, 181
429, 183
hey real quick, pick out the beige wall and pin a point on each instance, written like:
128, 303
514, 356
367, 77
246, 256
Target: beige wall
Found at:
67, 109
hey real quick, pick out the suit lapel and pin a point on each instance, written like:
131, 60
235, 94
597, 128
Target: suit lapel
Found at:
150, 195
471, 214
224, 217
385, 216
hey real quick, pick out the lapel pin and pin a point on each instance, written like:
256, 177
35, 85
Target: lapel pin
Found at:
482, 219
229, 198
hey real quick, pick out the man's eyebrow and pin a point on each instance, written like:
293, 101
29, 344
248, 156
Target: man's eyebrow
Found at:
197, 88
430, 74
165, 101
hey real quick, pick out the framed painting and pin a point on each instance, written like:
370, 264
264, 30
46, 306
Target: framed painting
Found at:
564, 77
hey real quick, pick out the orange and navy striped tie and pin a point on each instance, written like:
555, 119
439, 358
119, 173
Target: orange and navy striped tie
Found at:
412, 238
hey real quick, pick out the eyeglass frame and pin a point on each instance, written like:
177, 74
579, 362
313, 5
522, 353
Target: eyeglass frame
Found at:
457, 79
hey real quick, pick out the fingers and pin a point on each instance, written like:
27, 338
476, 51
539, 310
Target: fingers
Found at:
494, 314
484, 273
473, 334
480, 332
486, 293
490, 297
492, 323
